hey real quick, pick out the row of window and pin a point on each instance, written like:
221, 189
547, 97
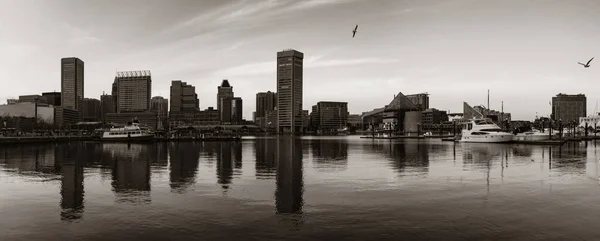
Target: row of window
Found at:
124, 133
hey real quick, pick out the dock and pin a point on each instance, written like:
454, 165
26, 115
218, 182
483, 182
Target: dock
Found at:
44, 139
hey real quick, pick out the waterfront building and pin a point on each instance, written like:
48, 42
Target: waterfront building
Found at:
132, 90
569, 108
26, 115
355, 121
432, 119
289, 91
330, 115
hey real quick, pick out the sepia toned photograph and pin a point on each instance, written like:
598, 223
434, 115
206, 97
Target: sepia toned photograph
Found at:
299, 120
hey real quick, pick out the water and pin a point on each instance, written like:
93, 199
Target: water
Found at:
341, 188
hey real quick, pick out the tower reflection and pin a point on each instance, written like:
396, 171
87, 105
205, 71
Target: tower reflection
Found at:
184, 161
71, 189
290, 183
265, 152
330, 155
224, 164
131, 172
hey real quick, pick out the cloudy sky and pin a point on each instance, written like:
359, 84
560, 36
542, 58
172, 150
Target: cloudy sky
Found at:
524, 51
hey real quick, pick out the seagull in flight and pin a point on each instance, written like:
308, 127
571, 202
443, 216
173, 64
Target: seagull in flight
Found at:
354, 31
587, 65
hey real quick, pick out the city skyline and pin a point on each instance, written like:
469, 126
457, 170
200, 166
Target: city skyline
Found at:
454, 50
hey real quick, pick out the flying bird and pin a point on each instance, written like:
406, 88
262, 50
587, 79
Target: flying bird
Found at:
354, 31
587, 65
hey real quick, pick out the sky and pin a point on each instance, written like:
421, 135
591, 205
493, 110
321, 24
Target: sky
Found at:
523, 51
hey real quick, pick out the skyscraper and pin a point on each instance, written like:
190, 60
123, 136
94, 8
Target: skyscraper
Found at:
289, 91
237, 111
183, 97
225, 90
133, 91
72, 83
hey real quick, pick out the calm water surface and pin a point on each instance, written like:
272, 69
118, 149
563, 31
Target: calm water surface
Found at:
339, 188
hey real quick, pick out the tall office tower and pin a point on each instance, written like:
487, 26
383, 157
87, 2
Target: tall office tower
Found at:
289, 91
183, 97
72, 83
237, 111
265, 101
223, 91
133, 90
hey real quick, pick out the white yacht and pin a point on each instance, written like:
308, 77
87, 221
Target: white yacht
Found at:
130, 132
484, 130
532, 135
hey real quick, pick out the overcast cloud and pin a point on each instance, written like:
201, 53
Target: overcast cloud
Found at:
525, 52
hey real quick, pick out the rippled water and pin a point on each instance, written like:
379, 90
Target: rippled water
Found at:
340, 188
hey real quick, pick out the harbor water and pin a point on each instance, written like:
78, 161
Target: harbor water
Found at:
310, 188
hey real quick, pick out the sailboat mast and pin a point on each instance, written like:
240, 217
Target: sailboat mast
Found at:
488, 103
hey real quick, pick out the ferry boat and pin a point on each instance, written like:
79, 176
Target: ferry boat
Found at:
130, 132
485, 131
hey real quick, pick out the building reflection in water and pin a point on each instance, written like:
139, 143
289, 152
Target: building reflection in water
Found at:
410, 158
289, 182
224, 164
265, 152
70, 164
330, 155
184, 161
131, 172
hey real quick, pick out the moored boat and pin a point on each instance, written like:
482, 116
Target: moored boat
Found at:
483, 130
130, 132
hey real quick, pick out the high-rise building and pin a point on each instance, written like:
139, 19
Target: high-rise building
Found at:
183, 97
225, 110
92, 110
236, 111
289, 91
72, 83
53, 98
265, 101
133, 91
225, 90
108, 105
568, 108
